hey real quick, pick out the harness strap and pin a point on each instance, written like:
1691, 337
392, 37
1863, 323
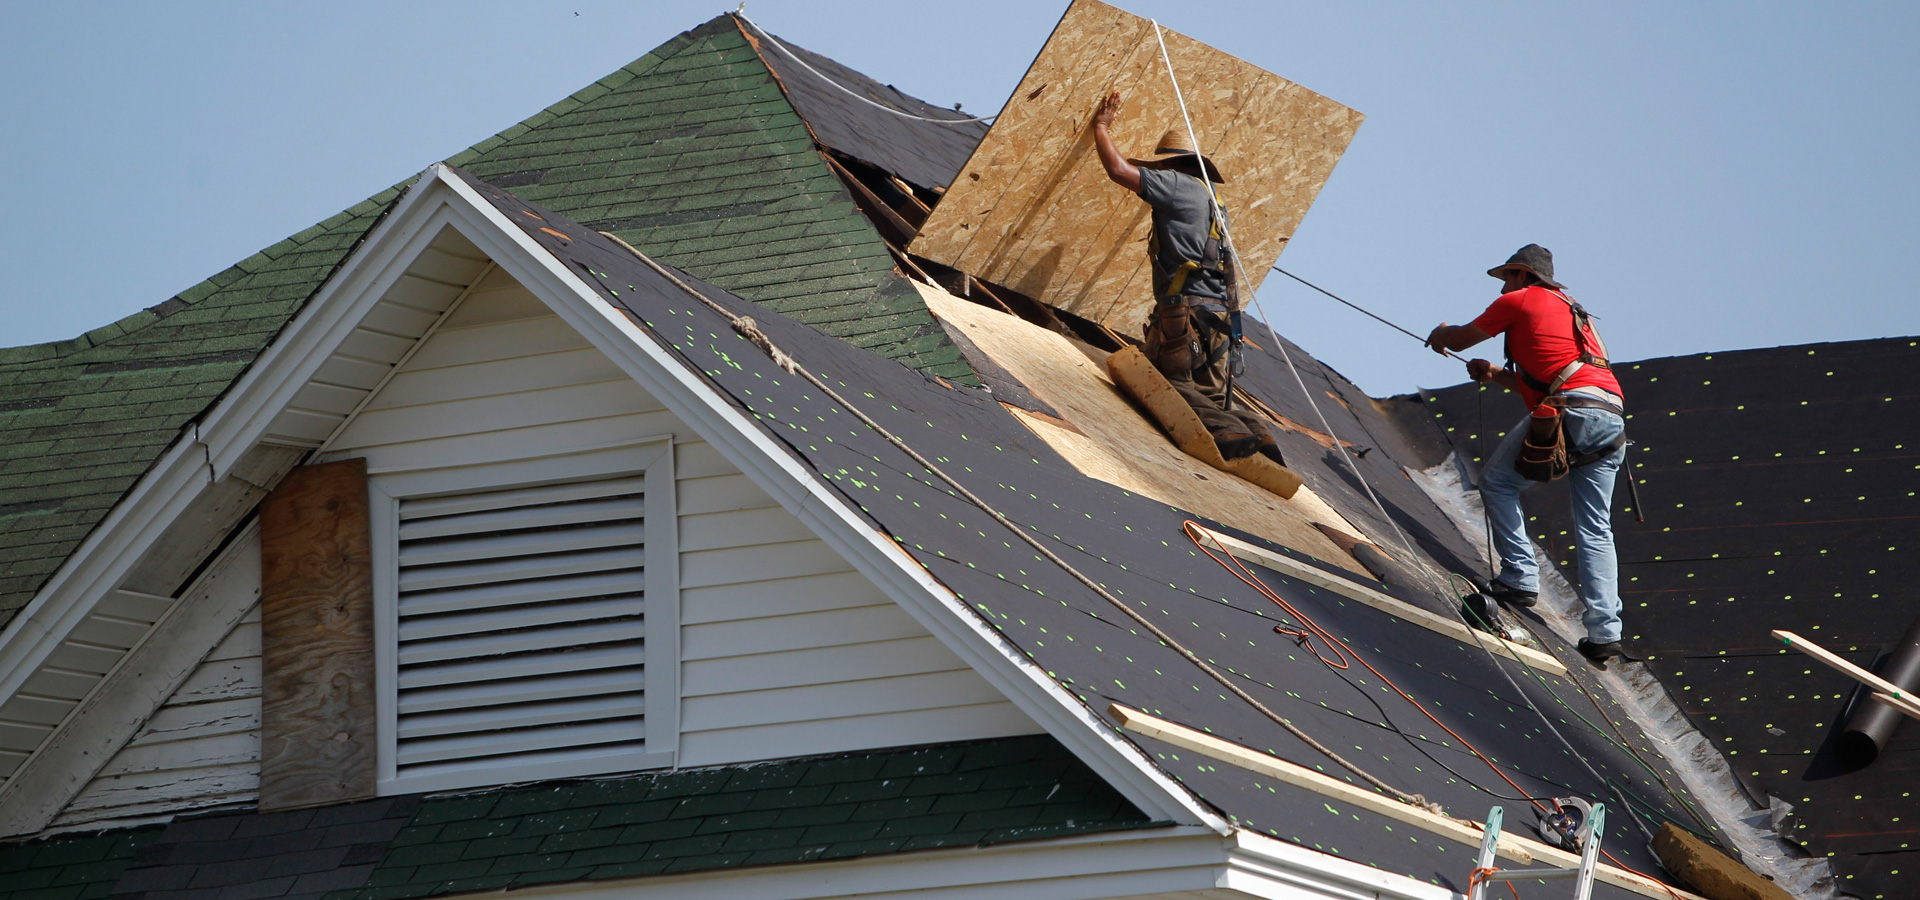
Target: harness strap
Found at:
1582, 324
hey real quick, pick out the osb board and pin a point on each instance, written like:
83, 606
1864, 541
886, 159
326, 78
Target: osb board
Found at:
316, 639
1033, 209
1116, 444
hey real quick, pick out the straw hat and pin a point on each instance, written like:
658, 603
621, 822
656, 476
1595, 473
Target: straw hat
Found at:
1174, 147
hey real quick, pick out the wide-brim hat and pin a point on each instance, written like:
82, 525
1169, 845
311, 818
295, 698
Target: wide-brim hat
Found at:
1172, 149
1531, 258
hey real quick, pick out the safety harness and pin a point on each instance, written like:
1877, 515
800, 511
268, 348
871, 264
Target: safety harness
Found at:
1211, 259
1582, 325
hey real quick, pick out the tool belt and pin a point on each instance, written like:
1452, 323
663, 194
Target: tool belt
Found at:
1544, 455
1181, 336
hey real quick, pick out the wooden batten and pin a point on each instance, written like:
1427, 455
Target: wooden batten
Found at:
318, 742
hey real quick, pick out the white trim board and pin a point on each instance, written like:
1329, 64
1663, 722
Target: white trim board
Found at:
1293, 568
1153, 864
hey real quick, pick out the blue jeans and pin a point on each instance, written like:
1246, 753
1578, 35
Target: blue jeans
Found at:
1500, 487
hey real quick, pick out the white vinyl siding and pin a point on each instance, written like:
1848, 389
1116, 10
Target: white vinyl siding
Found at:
200, 749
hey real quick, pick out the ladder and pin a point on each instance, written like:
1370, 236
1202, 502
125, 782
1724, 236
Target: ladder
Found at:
1589, 855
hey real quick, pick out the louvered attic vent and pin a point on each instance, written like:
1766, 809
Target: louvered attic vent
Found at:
521, 628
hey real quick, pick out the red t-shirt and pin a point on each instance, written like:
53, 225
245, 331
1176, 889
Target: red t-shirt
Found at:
1539, 329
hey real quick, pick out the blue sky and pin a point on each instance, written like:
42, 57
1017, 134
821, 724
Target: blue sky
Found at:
1710, 176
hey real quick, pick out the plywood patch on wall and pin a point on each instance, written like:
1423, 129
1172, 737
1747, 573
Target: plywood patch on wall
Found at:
1033, 209
316, 597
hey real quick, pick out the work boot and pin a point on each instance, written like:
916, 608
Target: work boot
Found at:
1271, 450
1237, 447
1512, 597
1598, 654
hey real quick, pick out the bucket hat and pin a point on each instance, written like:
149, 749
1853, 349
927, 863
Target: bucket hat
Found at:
1174, 147
1532, 258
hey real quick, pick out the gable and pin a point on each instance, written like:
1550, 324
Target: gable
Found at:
690, 151
784, 649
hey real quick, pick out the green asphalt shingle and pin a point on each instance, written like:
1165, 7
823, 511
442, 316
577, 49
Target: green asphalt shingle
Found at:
890, 801
70, 867
691, 153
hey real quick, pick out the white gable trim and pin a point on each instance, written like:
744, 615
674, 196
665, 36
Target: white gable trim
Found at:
744, 444
1158, 863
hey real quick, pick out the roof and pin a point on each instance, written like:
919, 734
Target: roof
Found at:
1134, 545
1793, 507
692, 152
976, 793
927, 154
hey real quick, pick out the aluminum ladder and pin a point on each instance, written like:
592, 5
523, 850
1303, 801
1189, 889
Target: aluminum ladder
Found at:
1589, 856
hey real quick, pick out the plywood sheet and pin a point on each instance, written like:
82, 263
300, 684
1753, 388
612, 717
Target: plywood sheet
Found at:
1111, 441
1033, 209
1134, 374
317, 741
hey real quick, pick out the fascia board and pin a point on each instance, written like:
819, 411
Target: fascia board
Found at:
1090, 867
1265, 867
206, 452
774, 470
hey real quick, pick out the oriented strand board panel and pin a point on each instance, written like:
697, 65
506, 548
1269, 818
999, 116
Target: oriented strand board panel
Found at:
317, 741
1034, 211
1110, 440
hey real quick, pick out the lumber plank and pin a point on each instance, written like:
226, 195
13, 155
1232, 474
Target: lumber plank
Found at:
1293, 568
1900, 704
318, 733
1033, 209
1525, 851
1848, 669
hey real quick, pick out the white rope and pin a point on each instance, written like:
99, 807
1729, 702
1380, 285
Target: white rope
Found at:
1405, 543
741, 14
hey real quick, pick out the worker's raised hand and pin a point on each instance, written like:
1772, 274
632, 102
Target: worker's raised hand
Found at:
1480, 370
1437, 339
1109, 108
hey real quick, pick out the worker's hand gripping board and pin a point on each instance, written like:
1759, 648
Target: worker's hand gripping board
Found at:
1136, 376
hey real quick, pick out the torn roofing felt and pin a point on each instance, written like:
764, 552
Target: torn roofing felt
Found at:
1136, 548
927, 154
1780, 492
691, 152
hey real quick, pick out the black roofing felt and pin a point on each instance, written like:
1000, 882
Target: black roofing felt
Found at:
927, 154
1134, 546
1780, 489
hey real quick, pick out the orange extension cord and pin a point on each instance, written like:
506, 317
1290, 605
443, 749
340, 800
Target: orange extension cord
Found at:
1344, 652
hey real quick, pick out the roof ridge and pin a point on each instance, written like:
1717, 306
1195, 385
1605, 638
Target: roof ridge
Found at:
34, 353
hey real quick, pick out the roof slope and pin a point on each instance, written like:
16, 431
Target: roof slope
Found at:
691, 151
1134, 546
1788, 507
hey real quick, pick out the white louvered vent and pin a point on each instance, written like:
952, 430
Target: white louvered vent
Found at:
522, 627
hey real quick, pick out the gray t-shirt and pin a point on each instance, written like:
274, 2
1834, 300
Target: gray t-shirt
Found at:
1179, 204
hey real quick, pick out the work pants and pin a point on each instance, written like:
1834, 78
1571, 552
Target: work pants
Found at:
1592, 485
1188, 346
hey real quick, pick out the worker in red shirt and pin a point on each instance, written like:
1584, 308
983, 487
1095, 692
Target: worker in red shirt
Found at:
1554, 359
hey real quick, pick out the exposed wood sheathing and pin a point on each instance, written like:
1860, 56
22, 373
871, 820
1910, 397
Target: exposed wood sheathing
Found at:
1113, 442
1135, 374
316, 599
1033, 210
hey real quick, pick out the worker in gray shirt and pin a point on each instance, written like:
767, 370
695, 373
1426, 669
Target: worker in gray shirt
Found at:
1189, 336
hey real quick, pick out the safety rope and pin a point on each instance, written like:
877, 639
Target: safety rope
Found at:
741, 14
1327, 428
746, 327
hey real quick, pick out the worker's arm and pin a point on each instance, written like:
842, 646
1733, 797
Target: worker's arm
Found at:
1483, 371
1446, 337
1122, 172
